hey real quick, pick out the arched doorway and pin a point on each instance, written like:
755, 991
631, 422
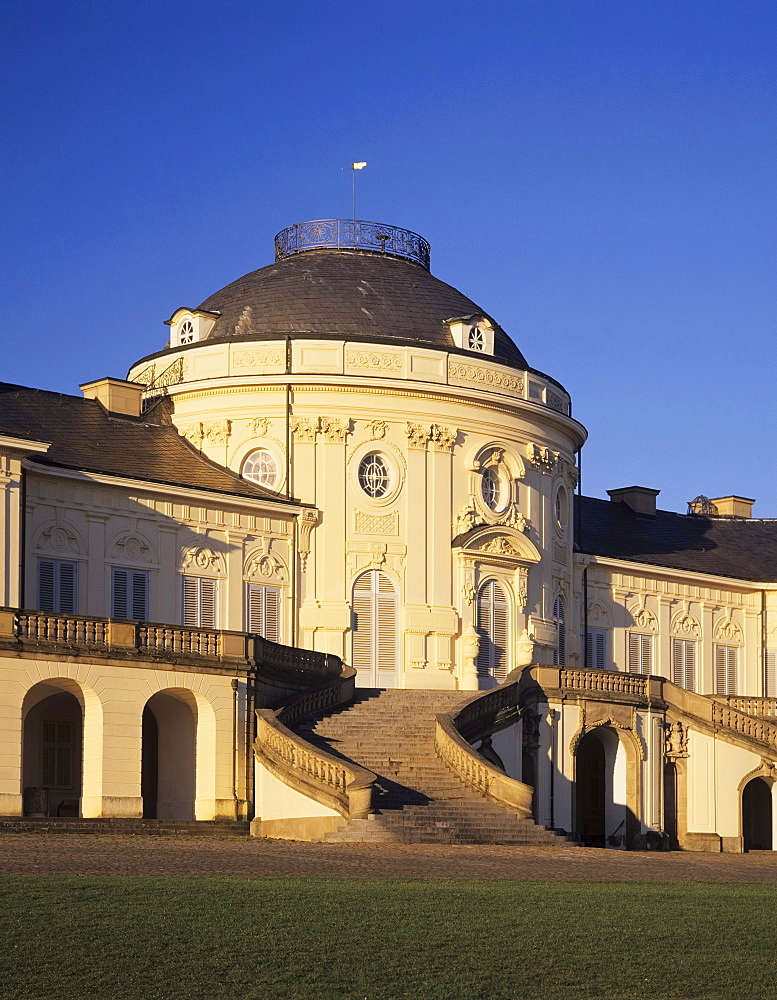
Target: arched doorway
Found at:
62, 726
600, 789
757, 815
493, 617
169, 757
671, 813
375, 646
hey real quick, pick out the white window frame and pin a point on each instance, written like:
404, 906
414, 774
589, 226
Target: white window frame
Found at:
597, 648
726, 669
268, 474
685, 663
58, 594
136, 582
263, 611
199, 602
640, 653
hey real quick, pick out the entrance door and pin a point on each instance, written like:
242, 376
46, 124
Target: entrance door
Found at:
493, 611
375, 631
590, 790
757, 815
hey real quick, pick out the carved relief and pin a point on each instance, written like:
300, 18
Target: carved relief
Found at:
130, 548
522, 589
265, 566
58, 538
644, 619
513, 518
254, 359
570, 472
376, 429
376, 524
308, 518
468, 588
675, 740
556, 402
501, 546
467, 519
443, 438
378, 552
485, 376
686, 625
542, 458
202, 559
417, 435
371, 359
728, 630
193, 433
218, 432
259, 426
335, 429
304, 429
598, 615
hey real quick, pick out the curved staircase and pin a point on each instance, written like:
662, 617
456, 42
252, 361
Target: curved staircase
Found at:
417, 798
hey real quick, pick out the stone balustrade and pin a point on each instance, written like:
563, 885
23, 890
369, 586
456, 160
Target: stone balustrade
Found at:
604, 681
743, 724
751, 706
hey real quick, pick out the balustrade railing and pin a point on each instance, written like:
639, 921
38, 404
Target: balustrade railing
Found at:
746, 725
39, 625
606, 681
352, 234
273, 656
170, 639
751, 706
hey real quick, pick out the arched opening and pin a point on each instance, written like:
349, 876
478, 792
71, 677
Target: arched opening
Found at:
600, 789
493, 617
52, 751
375, 646
169, 757
757, 815
671, 826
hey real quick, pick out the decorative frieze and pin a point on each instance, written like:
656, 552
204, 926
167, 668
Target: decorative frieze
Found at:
727, 630
130, 548
376, 524
203, 560
481, 376
255, 359
59, 538
381, 361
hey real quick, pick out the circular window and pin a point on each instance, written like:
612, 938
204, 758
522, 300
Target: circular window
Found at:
495, 489
186, 335
375, 476
260, 467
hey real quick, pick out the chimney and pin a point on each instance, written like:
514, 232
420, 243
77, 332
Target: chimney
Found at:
641, 499
117, 396
734, 507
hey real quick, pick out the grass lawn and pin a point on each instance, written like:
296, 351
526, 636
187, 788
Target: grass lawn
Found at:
384, 939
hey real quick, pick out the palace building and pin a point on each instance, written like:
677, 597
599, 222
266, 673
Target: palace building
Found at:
341, 477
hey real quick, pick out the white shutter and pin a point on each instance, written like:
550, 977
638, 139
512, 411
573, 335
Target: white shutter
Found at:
493, 616
684, 663
67, 587
726, 669
139, 604
129, 594
560, 653
375, 626
120, 593
770, 679
57, 586
199, 602
640, 653
263, 611
596, 649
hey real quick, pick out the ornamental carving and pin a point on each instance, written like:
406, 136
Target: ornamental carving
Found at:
513, 518
266, 567
335, 429
58, 538
376, 524
378, 552
131, 549
598, 615
203, 559
376, 429
644, 619
501, 546
417, 435
254, 359
467, 519
522, 594
728, 630
675, 740
443, 438
686, 625
259, 426
193, 433
542, 458
569, 471
371, 359
468, 589
307, 520
217, 433
485, 376
304, 429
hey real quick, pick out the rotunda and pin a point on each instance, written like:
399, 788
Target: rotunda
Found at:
435, 467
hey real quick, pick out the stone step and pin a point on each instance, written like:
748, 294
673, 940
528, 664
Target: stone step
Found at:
135, 827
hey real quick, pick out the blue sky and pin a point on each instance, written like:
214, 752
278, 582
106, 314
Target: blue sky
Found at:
599, 176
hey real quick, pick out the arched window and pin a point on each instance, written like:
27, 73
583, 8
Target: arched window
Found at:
560, 653
493, 616
261, 467
375, 631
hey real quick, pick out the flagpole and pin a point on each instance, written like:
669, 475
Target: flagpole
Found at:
353, 168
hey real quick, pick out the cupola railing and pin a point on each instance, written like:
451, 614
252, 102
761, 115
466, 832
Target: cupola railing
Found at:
352, 234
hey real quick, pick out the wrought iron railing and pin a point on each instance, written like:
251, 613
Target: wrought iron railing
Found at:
352, 234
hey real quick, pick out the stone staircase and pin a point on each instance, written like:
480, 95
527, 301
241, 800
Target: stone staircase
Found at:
134, 827
417, 798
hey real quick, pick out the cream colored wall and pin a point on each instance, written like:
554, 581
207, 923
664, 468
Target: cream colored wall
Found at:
432, 415
112, 699
625, 597
167, 533
10, 533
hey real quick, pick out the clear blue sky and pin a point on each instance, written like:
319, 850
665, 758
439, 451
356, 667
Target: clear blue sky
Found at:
599, 176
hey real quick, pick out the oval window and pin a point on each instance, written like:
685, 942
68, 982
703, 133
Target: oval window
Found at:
260, 467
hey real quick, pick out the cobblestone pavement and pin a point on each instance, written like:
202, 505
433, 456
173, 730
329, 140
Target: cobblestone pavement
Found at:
96, 854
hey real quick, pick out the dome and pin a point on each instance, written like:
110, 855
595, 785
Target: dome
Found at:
346, 291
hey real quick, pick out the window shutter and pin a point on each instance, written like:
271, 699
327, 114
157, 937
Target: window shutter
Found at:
771, 673
560, 654
375, 625
386, 623
139, 596
67, 587
363, 625
493, 614
640, 653
596, 649
199, 602
119, 602
684, 663
264, 611
46, 584
190, 601
726, 669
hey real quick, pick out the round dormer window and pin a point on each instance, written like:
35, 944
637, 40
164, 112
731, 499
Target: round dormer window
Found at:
375, 476
186, 334
261, 467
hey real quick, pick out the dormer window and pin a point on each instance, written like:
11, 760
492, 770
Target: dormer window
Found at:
472, 333
189, 326
186, 336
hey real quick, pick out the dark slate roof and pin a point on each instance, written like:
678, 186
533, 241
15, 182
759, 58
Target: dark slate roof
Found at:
85, 436
349, 295
734, 547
